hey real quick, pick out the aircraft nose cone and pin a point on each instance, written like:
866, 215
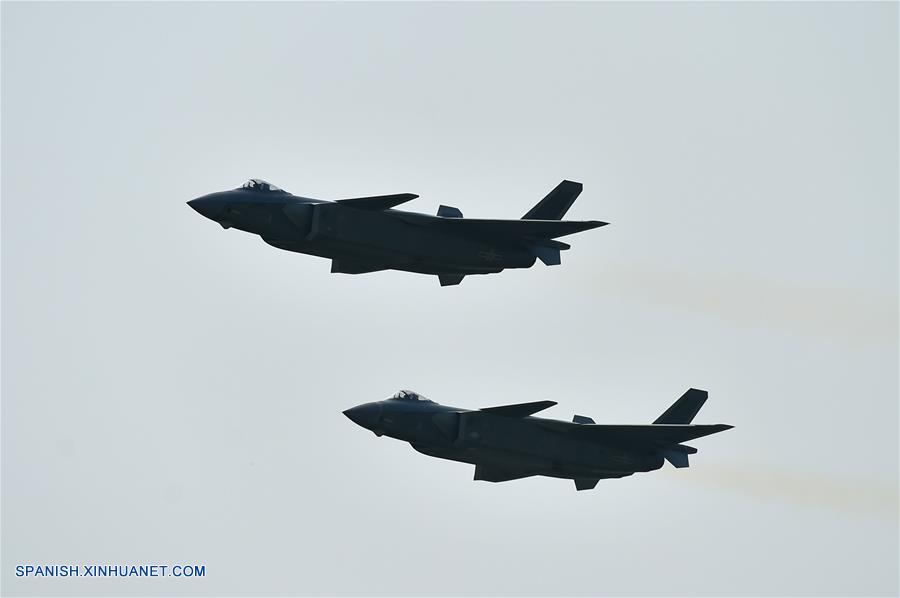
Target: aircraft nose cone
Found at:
206, 207
366, 415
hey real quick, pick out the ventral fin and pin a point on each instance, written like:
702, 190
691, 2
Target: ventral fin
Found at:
351, 267
548, 255
585, 483
676, 458
490, 473
448, 280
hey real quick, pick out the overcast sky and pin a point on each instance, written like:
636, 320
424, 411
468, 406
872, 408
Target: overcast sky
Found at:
172, 392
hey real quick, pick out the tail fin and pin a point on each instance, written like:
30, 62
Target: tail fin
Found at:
684, 409
555, 205
678, 455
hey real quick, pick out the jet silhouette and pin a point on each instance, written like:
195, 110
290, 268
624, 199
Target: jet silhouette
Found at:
506, 443
364, 234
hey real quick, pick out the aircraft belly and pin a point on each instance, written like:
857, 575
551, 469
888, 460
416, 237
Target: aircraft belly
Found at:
523, 462
589, 456
379, 236
488, 457
511, 439
501, 441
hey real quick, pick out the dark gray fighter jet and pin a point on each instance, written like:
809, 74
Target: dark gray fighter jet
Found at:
364, 234
507, 443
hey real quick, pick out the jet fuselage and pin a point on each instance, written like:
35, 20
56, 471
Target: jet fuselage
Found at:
361, 235
352, 236
506, 443
501, 442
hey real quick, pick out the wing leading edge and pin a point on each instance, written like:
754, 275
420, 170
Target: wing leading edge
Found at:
377, 203
519, 409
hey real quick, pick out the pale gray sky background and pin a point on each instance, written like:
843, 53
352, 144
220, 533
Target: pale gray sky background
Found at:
172, 392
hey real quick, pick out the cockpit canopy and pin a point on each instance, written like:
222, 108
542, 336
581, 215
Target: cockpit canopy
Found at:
259, 185
410, 395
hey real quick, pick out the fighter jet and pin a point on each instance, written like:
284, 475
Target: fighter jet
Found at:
507, 443
365, 234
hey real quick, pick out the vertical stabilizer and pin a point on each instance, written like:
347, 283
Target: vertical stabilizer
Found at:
555, 205
684, 409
